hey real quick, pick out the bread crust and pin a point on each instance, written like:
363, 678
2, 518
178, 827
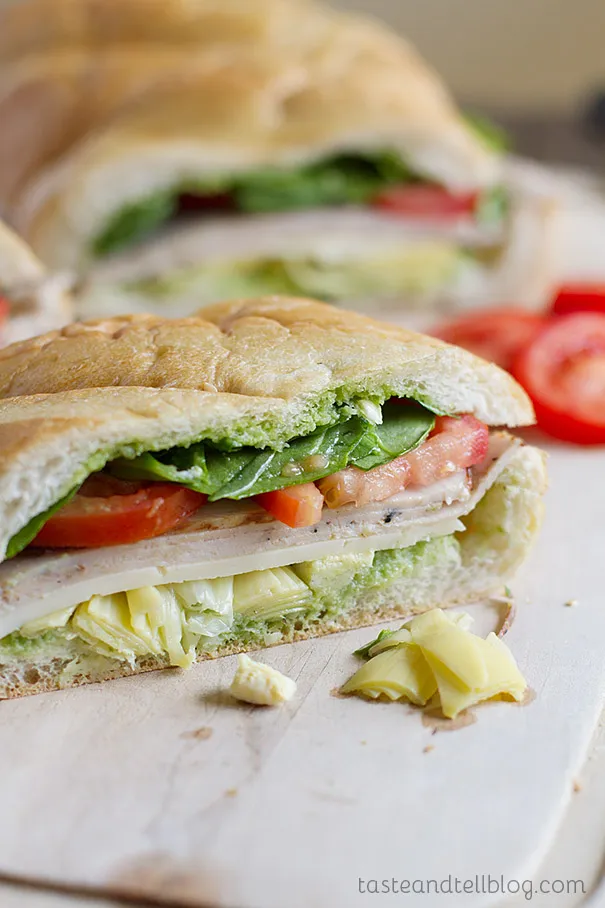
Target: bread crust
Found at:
280, 347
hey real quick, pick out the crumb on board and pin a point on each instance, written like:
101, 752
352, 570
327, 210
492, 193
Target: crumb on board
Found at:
231, 792
199, 734
577, 786
570, 603
363, 742
428, 748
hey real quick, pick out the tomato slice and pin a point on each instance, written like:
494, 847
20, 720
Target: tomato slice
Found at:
454, 444
563, 371
108, 511
495, 334
298, 506
579, 298
4, 309
425, 201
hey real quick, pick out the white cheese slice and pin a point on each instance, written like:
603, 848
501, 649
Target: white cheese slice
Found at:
230, 538
327, 234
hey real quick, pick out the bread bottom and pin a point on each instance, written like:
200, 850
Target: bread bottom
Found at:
441, 572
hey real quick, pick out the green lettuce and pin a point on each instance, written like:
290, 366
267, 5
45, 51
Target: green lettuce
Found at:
29, 532
250, 471
339, 180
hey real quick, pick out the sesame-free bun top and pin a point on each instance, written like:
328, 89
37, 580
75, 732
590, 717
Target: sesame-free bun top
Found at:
293, 350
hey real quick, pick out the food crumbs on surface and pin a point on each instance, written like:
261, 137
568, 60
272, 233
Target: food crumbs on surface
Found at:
428, 748
231, 793
436, 663
259, 684
577, 786
570, 603
336, 692
363, 742
199, 734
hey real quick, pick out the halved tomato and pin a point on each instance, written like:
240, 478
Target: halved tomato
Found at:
425, 201
298, 506
563, 371
495, 334
579, 298
109, 511
455, 444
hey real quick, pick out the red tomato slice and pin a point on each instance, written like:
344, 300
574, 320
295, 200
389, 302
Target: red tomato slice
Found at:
579, 298
298, 506
563, 371
495, 334
454, 444
108, 511
4, 309
425, 201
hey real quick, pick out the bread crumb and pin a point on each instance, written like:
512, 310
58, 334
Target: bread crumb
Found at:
428, 748
363, 742
231, 792
570, 603
577, 786
200, 734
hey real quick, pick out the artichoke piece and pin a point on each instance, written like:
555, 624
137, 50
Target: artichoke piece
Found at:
47, 622
454, 651
395, 639
400, 671
269, 594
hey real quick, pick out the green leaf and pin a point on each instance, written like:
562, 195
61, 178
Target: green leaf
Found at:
29, 532
364, 651
250, 471
135, 221
493, 136
338, 180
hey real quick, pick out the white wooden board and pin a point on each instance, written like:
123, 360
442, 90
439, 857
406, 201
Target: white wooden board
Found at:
106, 786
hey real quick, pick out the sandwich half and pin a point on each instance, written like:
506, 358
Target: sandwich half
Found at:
269, 470
333, 163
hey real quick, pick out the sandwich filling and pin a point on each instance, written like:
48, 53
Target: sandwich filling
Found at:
171, 554
379, 184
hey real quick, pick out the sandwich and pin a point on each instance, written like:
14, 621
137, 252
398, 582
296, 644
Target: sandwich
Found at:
333, 164
265, 471
31, 300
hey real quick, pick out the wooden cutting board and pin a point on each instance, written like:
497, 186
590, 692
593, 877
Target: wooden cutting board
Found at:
161, 785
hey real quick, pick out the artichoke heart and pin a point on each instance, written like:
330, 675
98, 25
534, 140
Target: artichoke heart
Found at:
401, 671
270, 593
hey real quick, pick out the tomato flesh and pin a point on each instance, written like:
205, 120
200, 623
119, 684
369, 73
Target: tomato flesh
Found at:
563, 371
108, 511
494, 334
454, 444
425, 201
298, 506
579, 298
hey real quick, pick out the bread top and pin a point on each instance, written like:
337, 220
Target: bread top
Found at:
337, 84
28, 28
293, 350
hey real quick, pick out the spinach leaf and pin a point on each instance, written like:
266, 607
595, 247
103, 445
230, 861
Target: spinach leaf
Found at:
338, 180
29, 532
250, 471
